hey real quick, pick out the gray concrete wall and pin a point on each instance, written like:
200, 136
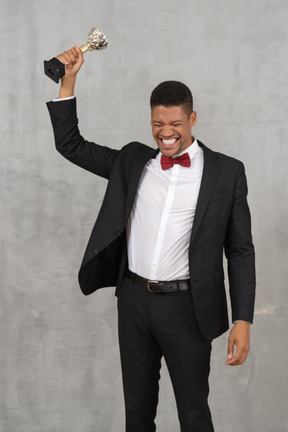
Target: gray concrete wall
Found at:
59, 360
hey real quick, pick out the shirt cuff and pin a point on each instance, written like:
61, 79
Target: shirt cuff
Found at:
242, 321
62, 99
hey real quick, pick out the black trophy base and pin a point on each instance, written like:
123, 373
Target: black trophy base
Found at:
54, 69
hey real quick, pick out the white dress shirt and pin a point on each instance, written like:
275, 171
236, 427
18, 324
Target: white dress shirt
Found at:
159, 228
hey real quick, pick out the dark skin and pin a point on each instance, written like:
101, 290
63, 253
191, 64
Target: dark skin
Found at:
165, 126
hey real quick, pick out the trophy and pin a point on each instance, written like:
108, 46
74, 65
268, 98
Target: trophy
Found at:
55, 69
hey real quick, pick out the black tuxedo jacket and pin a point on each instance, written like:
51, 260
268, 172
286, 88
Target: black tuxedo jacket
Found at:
222, 222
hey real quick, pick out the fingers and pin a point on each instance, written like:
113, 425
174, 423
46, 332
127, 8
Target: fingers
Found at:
78, 51
240, 338
71, 57
239, 357
68, 57
230, 350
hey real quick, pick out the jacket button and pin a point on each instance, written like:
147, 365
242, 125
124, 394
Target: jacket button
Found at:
118, 233
96, 251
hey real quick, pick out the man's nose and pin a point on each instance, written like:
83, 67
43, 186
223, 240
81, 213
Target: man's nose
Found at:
167, 130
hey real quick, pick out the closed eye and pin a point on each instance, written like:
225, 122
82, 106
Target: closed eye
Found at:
171, 124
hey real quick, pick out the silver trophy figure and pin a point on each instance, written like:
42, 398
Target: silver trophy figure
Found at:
96, 40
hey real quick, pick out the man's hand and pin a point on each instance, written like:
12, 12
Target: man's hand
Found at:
73, 60
239, 337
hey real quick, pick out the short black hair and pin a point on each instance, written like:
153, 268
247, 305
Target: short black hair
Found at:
172, 93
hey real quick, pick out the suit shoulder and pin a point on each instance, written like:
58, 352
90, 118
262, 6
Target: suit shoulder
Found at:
136, 147
229, 159
225, 159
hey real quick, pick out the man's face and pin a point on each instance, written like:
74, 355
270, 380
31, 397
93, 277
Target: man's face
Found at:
171, 128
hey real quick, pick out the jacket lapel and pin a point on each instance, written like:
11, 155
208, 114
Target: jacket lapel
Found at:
136, 172
210, 173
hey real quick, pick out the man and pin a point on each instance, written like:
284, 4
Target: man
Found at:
159, 237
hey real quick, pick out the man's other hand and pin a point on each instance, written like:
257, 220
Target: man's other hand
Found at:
240, 338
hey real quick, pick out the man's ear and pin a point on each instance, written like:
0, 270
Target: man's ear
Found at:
193, 118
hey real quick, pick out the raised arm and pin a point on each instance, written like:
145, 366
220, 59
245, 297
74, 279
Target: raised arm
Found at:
68, 140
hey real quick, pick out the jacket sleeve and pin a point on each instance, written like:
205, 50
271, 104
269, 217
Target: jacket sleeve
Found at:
69, 142
240, 253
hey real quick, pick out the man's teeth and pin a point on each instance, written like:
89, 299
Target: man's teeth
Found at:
170, 141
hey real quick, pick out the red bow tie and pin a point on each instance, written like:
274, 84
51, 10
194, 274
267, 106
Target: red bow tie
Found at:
167, 162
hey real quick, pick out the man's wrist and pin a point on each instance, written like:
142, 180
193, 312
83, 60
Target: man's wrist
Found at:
67, 87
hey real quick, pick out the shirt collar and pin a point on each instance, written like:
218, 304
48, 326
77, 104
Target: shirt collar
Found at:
191, 150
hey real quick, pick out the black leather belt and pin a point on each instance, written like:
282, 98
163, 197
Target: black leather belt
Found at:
161, 286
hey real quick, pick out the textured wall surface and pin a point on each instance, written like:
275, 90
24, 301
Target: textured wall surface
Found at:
59, 360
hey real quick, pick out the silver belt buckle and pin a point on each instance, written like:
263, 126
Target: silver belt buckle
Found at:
148, 285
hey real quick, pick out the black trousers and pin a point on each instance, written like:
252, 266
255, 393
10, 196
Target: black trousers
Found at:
153, 325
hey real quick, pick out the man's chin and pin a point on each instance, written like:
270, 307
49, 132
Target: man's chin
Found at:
170, 152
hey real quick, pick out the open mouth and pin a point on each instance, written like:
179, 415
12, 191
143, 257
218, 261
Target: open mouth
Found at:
169, 142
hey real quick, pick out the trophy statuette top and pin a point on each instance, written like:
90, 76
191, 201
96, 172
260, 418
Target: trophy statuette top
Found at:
97, 40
